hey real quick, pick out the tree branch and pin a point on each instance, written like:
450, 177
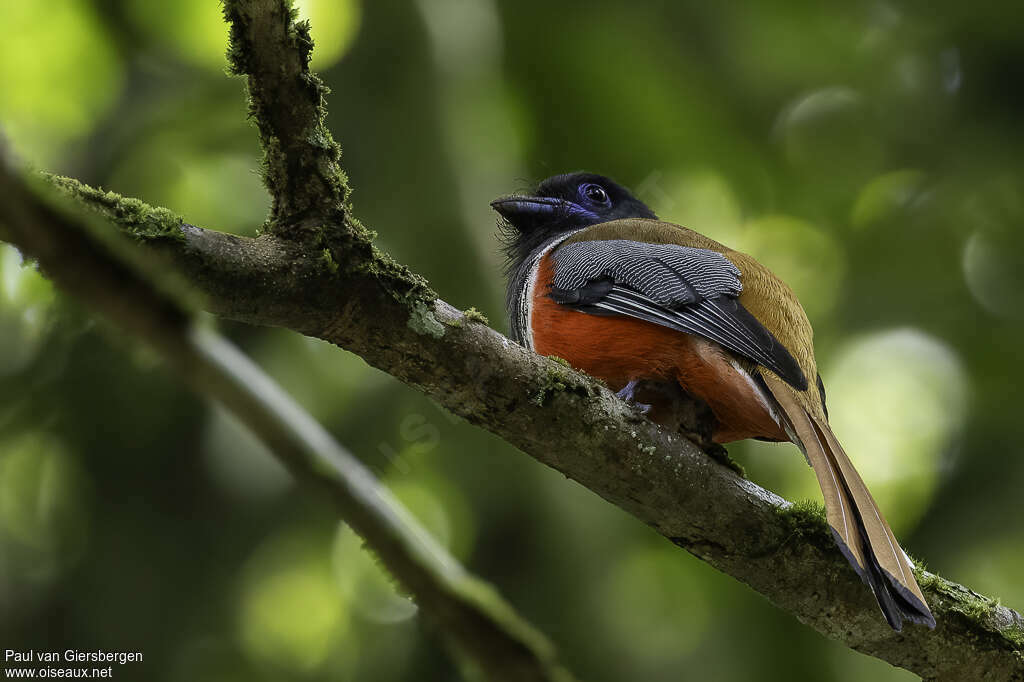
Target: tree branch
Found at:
95, 266
334, 285
300, 162
572, 423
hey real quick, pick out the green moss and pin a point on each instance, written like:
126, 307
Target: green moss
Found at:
476, 316
925, 580
84, 231
327, 258
721, 455
806, 519
959, 599
553, 383
423, 321
806, 513
398, 280
472, 315
561, 379
978, 608
1014, 633
562, 361
136, 218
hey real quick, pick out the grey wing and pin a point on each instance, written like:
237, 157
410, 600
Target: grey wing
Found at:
684, 288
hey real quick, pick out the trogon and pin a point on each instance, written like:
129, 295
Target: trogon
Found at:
595, 278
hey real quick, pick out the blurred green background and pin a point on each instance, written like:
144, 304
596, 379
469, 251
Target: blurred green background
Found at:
868, 152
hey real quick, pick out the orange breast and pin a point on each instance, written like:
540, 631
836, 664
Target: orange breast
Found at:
620, 349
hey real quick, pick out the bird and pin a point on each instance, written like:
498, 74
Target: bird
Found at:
595, 278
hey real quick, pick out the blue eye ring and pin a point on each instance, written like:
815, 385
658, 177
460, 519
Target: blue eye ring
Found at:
594, 194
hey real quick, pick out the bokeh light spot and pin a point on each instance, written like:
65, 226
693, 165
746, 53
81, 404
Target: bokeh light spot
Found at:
199, 186
44, 510
375, 594
191, 180
194, 30
896, 400
58, 74
444, 514
829, 130
437, 504
22, 285
702, 200
993, 265
293, 613
334, 25
808, 259
25, 311
885, 196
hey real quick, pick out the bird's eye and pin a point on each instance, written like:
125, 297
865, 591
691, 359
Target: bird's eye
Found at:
595, 194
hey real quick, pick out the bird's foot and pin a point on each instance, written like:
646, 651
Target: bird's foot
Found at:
628, 393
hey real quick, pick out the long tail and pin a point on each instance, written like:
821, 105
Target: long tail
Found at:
858, 526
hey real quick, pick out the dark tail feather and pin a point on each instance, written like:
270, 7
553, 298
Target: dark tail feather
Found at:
859, 528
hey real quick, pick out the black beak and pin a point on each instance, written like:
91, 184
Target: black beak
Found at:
527, 213
515, 209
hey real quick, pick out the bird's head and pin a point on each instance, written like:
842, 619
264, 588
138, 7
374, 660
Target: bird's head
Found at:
561, 204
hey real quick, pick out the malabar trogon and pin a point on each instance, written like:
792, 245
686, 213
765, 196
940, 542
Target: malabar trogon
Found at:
595, 278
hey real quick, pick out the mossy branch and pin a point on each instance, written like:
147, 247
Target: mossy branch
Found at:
782, 550
301, 160
92, 263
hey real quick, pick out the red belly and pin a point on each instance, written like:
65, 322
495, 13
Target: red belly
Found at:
620, 349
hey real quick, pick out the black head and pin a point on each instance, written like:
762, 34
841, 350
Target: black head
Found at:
561, 204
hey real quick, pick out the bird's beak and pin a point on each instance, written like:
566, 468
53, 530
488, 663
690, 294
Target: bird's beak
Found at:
518, 207
528, 213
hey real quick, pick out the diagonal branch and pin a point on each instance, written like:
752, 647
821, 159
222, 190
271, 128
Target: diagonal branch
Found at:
574, 424
105, 271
